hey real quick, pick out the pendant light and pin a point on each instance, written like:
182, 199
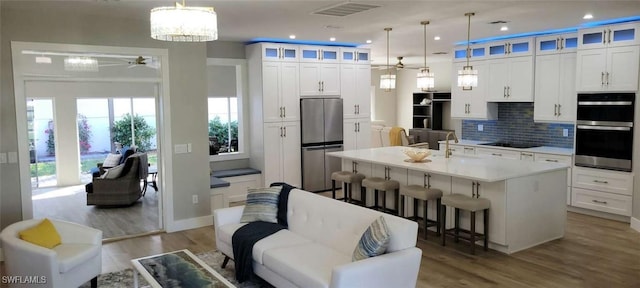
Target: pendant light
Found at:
425, 79
467, 77
184, 24
388, 81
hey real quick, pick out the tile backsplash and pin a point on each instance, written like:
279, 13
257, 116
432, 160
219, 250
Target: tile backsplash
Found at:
515, 124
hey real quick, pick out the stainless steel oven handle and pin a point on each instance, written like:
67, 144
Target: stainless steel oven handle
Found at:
604, 123
606, 103
607, 128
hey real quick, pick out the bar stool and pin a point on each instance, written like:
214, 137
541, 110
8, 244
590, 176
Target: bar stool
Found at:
383, 185
347, 178
424, 194
471, 204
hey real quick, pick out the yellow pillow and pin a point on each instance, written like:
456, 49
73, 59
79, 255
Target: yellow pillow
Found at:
43, 234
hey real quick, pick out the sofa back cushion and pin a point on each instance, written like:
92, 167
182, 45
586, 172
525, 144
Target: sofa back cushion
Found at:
340, 225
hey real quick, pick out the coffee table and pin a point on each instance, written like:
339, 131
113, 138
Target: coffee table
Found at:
177, 269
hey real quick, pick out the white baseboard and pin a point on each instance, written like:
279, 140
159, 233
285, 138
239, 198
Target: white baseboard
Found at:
190, 223
635, 225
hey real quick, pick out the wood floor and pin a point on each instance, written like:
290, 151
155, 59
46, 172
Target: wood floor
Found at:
594, 253
70, 204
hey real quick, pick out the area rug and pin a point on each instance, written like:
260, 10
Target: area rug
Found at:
214, 259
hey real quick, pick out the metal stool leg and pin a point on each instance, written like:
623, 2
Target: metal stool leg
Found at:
426, 219
443, 210
384, 200
333, 189
396, 197
438, 217
457, 224
486, 229
363, 196
415, 208
375, 203
473, 232
401, 205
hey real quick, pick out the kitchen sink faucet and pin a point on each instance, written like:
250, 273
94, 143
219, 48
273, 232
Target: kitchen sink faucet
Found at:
447, 150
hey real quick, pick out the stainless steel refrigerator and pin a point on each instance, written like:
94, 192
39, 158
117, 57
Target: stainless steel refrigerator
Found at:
321, 133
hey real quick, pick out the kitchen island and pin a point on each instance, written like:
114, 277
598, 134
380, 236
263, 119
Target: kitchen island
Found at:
528, 204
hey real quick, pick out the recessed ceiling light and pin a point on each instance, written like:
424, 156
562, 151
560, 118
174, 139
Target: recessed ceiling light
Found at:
587, 16
292, 36
332, 39
436, 38
504, 28
369, 41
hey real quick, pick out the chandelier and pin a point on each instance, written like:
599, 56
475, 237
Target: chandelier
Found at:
184, 24
388, 81
467, 77
425, 79
81, 64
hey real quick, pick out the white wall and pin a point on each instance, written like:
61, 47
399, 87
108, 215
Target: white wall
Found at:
187, 62
385, 102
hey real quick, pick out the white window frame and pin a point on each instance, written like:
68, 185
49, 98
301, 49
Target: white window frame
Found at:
243, 110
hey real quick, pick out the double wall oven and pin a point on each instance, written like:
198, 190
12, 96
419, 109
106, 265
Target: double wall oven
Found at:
604, 130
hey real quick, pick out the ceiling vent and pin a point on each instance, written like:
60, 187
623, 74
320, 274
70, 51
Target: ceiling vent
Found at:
498, 22
345, 9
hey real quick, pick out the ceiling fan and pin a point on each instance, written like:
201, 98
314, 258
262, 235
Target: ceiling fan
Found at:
397, 66
131, 63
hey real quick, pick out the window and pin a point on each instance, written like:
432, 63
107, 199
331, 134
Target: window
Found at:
225, 95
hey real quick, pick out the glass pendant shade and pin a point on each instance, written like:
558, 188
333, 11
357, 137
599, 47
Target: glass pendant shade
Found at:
467, 78
425, 80
184, 24
387, 82
82, 64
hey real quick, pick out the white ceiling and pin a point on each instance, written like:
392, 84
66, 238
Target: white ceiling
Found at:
242, 20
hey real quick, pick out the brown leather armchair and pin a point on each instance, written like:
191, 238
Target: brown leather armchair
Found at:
124, 189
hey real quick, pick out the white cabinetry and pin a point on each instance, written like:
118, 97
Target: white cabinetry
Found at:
608, 58
510, 48
608, 69
282, 161
472, 104
555, 78
319, 79
279, 52
434, 181
324, 54
498, 153
602, 190
280, 100
540, 157
357, 133
355, 85
510, 79
355, 56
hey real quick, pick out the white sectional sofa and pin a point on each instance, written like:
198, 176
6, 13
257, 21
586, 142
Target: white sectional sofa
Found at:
316, 249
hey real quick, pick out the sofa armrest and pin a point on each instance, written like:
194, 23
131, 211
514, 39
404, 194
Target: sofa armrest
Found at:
28, 259
226, 216
72, 233
396, 269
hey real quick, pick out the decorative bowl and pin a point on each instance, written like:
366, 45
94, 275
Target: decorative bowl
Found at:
417, 155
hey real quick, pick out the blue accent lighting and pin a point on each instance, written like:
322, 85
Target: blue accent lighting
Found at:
302, 42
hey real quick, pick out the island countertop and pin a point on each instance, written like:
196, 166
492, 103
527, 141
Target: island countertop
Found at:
461, 166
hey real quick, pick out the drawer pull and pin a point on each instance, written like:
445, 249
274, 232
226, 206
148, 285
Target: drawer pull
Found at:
496, 154
599, 202
468, 148
551, 160
602, 182
527, 154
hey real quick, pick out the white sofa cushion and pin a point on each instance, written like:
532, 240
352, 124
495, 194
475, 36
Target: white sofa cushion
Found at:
340, 225
69, 256
225, 232
306, 265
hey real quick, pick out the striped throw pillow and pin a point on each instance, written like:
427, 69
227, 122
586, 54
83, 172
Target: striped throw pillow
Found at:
262, 205
373, 242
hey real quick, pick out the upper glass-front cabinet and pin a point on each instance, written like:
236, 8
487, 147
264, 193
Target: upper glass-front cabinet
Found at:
279, 52
554, 44
512, 47
609, 36
326, 54
478, 52
355, 55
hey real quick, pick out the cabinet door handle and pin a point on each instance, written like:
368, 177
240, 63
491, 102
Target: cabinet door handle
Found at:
559, 106
607, 79
602, 79
358, 126
284, 112
555, 109
601, 182
468, 148
358, 109
322, 86
285, 131
320, 54
281, 112
280, 131
562, 43
319, 87
506, 49
355, 127
604, 36
355, 59
473, 189
599, 202
508, 91
557, 43
504, 91
551, 160
496, 154
527, 154
609, 36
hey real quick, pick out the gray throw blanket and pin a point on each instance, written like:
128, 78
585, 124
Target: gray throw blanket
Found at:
246, 236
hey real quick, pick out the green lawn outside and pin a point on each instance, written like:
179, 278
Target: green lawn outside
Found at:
49, 168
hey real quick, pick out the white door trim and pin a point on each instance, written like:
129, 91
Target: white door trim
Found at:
165, 157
